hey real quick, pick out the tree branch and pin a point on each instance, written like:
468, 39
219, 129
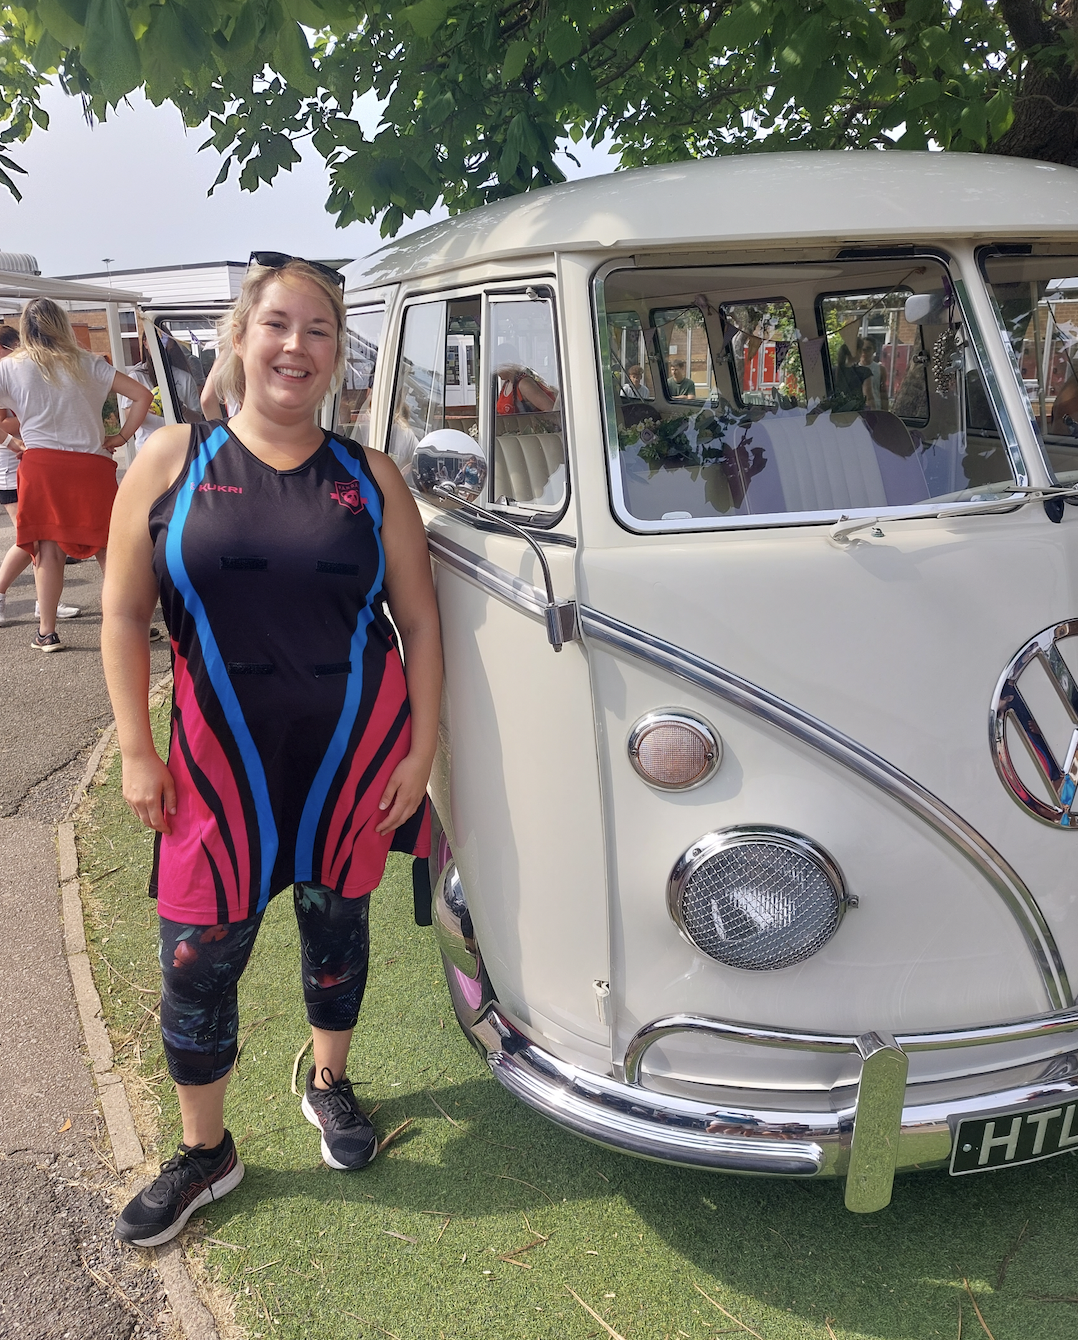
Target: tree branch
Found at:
1026, 23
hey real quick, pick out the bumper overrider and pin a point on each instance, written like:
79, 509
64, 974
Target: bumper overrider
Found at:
868, 1132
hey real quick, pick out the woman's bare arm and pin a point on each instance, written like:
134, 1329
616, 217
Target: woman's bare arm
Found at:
128, 601
140, 397
410, 591
212, 406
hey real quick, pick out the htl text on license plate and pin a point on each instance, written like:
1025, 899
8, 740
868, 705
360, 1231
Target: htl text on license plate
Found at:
1010, 1138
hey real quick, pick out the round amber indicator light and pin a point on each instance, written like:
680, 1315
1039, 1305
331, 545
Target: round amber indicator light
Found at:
674, 750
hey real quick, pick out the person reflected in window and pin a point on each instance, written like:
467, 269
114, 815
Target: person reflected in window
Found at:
520, 391
875, 384
636, 388
851, 380
1063, 419
681, 386
469, 477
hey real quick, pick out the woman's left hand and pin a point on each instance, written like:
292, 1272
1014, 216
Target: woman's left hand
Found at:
404, 792
114, 442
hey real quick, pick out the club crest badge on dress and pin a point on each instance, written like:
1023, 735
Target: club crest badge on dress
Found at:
348, 495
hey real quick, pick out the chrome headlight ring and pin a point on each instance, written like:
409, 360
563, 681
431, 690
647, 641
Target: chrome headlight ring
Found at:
757, 897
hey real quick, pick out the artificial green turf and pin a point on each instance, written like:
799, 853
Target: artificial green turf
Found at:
321, 1253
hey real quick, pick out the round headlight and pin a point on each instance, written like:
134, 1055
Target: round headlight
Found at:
756, 897
674, 750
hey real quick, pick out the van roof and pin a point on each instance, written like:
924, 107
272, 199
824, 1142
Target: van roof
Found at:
753, 199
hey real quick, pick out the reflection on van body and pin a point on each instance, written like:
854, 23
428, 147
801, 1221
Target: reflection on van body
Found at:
757, 764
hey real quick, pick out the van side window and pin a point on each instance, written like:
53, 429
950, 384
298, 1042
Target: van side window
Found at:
362, 333
684, 353
837, 397
761, 342
875, 358
436, 380
528, 438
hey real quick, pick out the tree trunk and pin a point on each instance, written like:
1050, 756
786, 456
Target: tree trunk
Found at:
1046, 108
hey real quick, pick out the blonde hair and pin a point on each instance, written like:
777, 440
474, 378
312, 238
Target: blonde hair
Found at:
229, 383
47, 339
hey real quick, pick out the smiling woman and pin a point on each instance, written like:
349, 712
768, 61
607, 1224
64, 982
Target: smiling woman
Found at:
300, 746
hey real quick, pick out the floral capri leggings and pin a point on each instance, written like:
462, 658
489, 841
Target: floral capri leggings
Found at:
201, 968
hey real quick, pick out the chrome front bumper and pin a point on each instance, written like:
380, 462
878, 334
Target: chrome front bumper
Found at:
864, 1134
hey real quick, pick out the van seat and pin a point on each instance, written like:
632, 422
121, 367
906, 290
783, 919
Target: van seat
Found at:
525, 464
844, 461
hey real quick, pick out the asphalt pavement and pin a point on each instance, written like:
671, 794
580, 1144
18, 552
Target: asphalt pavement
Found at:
56, 1257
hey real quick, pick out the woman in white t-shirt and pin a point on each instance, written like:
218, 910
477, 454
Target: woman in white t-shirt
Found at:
67, 477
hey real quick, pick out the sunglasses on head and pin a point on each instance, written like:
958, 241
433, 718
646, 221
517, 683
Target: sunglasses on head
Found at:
277, 260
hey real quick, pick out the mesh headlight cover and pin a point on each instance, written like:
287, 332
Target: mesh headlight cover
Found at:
757, 898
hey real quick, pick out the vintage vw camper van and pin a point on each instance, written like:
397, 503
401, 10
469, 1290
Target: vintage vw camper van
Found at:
748, 488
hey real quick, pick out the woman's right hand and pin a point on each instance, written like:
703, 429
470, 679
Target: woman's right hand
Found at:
149, 789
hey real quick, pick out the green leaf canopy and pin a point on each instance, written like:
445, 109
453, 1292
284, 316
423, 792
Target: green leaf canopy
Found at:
476, 96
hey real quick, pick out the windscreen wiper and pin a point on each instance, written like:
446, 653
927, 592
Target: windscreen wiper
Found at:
1017, 496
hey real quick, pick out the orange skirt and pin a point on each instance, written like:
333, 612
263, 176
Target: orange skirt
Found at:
65, 496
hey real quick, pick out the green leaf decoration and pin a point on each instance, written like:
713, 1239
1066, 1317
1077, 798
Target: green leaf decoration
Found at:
426, 17
515, 60
1000, 112
562, 42
741, 26
172, 46
294, 59
67, 29
109, 52
922, 92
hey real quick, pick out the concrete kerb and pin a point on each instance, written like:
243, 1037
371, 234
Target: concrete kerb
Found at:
195, 1319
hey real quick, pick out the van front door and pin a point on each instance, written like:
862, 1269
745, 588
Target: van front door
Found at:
516, 783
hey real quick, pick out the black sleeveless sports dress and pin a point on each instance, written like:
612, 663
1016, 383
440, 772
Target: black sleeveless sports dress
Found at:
290, 709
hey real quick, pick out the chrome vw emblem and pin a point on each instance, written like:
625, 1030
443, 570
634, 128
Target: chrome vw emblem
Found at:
1011, 717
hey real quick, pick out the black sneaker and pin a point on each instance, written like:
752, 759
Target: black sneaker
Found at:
187, 1181
47, 642
348, 1139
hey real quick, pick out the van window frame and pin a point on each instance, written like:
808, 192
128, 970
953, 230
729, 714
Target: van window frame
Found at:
821, 329
368, 308
545, 287
538, 518
773, 521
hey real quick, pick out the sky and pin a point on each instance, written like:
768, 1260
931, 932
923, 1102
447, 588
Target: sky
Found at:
134, 189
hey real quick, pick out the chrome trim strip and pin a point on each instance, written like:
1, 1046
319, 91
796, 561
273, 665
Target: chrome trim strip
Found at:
841, 749
1011, 444
742, 1131
985, 1035
497, 581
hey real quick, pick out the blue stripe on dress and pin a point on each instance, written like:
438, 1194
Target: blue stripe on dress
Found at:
353, 692
215, 666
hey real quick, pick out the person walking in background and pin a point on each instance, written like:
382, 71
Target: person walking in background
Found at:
67, 477
16, 560
301, 745
145, 373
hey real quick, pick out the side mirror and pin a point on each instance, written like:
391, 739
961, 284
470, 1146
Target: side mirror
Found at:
449, 457
925, 309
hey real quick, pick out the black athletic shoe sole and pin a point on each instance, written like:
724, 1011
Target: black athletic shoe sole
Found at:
223, 1185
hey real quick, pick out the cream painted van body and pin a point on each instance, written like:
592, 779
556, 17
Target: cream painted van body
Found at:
853, 928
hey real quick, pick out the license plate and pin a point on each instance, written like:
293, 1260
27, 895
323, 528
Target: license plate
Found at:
1006, 1139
